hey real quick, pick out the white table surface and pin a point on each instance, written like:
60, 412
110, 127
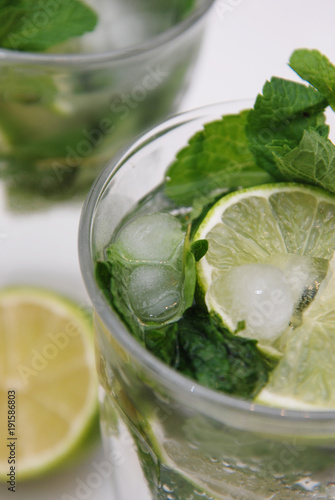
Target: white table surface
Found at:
247, 42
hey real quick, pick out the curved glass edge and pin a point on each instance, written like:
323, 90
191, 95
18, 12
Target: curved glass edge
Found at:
303, 421
126, 53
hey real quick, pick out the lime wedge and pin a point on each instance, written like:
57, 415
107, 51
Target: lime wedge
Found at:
48, 400
305, 376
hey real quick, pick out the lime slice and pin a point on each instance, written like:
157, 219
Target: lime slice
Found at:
267, 257
267, 275
48, 401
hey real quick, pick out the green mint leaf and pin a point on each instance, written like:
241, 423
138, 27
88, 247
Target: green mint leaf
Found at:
183, 9
199, 249
201, 348
189, 271
280, 116
216, 159
163, 343
28, 25
103, 275
316, 69
214, 357
109, 280
312, 161
190, 277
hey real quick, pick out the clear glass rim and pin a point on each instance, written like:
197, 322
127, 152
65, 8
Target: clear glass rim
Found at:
153, 43
164, 374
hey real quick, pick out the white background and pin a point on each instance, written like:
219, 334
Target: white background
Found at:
246, 42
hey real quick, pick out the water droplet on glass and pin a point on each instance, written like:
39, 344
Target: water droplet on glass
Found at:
307, 484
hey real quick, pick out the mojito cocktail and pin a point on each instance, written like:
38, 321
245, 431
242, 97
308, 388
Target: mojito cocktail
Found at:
207, 249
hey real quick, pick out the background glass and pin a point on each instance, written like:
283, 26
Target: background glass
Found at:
165, 436
65, 112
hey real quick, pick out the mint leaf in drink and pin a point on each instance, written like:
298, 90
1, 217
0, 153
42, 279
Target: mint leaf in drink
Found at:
216, 358
316, 69
110, 279
200, 347
28, 25
216, 159
312, 161
183, 9
163, 343
189, 277
280, 117
199, 249
103, 277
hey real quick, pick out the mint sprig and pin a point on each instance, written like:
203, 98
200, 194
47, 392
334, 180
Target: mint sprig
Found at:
216, 159
284, 137
316, 69
287, 130
27, 25
281, 115
312, 162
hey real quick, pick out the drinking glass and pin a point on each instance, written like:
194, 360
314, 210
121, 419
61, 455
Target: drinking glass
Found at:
63, 113
167, 437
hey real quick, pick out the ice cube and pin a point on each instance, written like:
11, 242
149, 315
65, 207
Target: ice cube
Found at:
155, 292
257, 294
151, 238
